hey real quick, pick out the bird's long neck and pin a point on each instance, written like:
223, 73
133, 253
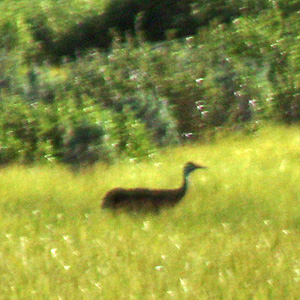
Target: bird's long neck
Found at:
185, 184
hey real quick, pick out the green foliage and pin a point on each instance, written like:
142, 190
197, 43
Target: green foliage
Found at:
67, 133
18, 131
251, 74
62, 30
124, 82
242, 67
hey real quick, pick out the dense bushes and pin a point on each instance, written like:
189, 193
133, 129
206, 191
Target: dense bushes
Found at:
67, 133
154, 18
158, 20
126, 101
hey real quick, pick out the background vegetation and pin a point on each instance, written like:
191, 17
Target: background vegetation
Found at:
83, 81
235, 235
100, 81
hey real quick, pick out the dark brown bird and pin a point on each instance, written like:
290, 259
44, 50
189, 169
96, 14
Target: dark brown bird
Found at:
143, 199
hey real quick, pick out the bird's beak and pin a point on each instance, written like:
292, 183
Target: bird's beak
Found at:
201, 167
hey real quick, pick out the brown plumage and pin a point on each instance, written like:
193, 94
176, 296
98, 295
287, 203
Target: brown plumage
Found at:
139, 199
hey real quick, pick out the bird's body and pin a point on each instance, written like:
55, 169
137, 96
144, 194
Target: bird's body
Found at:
141, 199
138, 199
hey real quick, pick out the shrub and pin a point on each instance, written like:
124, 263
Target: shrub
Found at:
241, 67
66, 132
18, 131
124, 82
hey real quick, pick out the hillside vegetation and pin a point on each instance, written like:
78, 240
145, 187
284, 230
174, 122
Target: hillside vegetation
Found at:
234, 236
85, 81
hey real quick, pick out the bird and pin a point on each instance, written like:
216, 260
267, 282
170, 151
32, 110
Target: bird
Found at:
144, 199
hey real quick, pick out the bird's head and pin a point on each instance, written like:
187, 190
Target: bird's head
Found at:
190, 167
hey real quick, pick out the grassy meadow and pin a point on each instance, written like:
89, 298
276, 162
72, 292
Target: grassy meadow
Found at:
236, 235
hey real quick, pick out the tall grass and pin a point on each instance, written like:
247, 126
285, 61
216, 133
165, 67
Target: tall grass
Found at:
235, 235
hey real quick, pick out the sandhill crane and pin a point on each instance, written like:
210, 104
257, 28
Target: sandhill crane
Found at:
140, 199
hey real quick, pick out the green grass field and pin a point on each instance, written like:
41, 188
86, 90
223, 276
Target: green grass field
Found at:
236, 235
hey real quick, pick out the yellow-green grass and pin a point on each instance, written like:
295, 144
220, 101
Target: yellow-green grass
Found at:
236, 235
